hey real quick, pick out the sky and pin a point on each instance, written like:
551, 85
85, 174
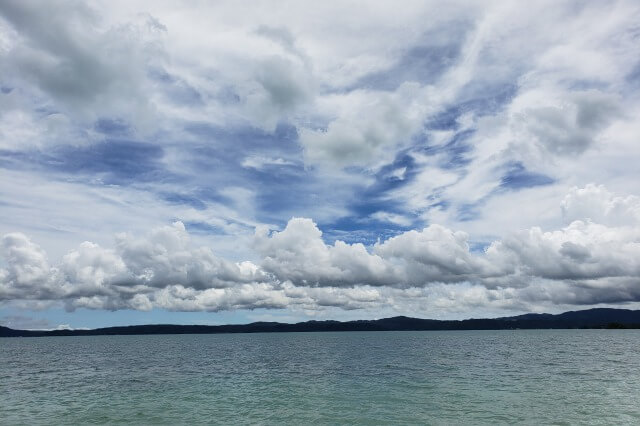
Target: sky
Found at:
229, 162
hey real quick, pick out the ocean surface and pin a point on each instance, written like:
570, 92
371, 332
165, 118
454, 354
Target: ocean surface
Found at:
424, 377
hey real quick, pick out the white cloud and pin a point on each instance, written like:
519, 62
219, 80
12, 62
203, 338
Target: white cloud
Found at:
396, 219
261, 163
368, 127
582, 250
27, 263
165, 257
574, 264
596, 203
298, 254
92, 276
435, 254
398, 173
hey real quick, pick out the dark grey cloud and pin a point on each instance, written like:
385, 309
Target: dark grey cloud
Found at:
69, 54
570, 129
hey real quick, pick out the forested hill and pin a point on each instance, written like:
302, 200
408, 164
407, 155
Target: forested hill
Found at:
590, 318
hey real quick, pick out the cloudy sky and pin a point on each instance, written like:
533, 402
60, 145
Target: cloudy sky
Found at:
226, 162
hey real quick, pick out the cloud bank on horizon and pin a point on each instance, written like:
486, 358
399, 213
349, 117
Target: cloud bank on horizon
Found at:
429, 160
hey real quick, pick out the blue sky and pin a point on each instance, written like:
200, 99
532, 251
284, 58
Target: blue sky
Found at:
231, 162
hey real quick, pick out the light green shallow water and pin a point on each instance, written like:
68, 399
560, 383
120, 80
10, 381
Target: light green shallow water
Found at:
475, 377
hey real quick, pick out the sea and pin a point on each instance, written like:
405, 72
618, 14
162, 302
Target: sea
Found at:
532, 377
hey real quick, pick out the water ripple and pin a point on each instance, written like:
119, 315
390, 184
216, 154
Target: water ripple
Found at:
478, 377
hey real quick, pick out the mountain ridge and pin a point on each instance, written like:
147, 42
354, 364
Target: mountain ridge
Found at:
589, 318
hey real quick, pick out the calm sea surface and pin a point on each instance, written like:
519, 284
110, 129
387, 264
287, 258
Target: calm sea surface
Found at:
449, 377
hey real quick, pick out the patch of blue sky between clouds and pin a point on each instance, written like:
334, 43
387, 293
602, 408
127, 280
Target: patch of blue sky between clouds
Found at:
422, 63
479, 102
183, 199
518, 177
112, 162
176, 89
469, 211
203, 228
113, 127
453, 153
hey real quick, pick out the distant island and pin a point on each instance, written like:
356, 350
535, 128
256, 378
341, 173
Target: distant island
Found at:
590, 318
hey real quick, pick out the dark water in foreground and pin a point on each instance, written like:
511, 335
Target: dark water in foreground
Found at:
449, 377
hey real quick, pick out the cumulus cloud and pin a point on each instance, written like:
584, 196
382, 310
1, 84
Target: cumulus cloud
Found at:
584, 255
165, 257
435, 254
27, 271
582, 250
583, 263
298, 254
599, 205
92, 276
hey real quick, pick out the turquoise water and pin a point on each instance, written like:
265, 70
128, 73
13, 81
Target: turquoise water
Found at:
449, 377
